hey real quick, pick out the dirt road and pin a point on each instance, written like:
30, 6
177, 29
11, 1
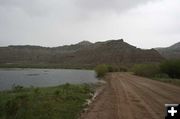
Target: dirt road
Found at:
126, 96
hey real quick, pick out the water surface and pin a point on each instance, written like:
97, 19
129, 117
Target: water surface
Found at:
44, 77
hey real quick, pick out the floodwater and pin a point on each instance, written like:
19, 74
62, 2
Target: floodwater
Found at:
44, 77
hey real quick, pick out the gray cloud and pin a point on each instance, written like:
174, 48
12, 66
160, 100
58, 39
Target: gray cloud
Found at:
115, 5
30, 7
145, 23
69, 7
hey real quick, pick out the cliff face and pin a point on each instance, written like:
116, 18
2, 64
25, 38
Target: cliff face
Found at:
172, 52
81, 54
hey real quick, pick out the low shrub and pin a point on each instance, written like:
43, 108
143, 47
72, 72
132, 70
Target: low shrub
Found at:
122, 69
162, 75
101, 70
147, 70
171, 67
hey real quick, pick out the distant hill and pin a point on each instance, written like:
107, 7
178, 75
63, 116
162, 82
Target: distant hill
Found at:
172, 52
83, 54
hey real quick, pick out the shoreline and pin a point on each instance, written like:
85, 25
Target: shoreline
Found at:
46, 66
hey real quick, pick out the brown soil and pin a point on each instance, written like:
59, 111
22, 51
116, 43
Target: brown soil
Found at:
126, 96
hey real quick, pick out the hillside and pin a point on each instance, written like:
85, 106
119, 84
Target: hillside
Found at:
83, 54
172, 52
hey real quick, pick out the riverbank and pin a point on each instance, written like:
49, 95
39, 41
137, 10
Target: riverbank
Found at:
45, 66
61, 102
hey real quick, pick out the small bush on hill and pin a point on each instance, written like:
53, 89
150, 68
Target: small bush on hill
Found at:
171, 67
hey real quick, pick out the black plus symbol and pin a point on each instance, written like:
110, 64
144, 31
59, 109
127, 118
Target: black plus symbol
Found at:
173, 111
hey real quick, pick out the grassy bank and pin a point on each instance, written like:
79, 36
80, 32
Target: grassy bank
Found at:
61, 102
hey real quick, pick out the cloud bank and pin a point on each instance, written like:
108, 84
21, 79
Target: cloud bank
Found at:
144, 23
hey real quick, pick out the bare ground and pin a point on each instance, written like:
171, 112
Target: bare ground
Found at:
126, 96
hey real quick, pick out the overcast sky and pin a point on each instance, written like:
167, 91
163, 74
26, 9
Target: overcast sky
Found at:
143, 23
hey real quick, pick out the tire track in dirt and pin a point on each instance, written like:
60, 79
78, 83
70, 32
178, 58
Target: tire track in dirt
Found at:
104, 106
141, 109
149, 102
121, 102
156, 85
165, 93
132, 97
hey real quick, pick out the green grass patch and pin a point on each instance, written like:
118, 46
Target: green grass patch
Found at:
61, 102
